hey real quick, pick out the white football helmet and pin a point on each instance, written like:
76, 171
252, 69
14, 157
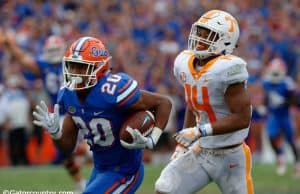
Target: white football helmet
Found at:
222, 38
54, 49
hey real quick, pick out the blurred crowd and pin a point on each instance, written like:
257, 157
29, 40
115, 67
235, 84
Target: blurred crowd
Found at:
143, 38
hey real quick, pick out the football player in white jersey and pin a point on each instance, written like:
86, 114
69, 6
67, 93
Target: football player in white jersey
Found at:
211, 144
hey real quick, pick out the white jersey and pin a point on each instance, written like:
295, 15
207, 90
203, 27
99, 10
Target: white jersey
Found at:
205, 89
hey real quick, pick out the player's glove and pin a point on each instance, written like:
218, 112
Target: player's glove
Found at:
48, 120
139, 141
187, 136
179, 150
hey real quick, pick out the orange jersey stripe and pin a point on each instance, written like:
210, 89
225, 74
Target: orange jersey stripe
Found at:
208, 108
127, 98
133, 182
125, 86
249, 182
188, 96
115, 185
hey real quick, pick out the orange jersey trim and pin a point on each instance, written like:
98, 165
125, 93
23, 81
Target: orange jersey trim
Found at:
115, 185
197, 74
249, 182
133, 183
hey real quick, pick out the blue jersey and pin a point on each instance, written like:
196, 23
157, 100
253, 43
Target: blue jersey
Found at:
277, 96
51, 75
100, 118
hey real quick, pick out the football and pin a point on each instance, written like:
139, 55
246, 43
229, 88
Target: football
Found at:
143, 121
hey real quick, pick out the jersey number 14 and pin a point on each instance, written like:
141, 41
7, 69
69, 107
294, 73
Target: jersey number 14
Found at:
191, 93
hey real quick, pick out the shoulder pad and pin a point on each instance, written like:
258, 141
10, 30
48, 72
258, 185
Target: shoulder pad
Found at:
233, 69
181, 61
126, 90
182, 57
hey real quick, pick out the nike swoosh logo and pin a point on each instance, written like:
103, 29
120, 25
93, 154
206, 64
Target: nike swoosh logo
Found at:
98, 113
206, 79
145, 120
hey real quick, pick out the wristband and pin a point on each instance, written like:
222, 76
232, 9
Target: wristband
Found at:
156, 133
206, 129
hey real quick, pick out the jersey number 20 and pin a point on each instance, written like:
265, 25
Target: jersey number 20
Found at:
98, 130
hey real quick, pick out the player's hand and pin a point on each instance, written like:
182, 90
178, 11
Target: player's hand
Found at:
139, 141
187, 136
179, 150
47, 120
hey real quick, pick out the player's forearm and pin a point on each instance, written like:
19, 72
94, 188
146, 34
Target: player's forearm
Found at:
189, 118
66, 149
15, 51
231, 123
24, 59
162, 112
65, 145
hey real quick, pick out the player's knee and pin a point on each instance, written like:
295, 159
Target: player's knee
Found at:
72, 167
162, 187
166, 183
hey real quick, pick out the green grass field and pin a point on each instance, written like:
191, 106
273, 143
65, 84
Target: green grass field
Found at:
55, 178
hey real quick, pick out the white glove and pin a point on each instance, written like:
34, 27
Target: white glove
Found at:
139, 141
187, 136
179, 150
48, 120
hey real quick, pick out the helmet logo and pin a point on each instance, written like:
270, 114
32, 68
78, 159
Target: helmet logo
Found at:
71, 109
98, 52
208, 16
232, 22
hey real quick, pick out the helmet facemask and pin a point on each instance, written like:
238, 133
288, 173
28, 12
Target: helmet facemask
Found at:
198, 38
86, 75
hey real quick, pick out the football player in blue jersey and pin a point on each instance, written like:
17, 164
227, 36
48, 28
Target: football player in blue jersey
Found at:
48, 67
97, 102
280, 94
